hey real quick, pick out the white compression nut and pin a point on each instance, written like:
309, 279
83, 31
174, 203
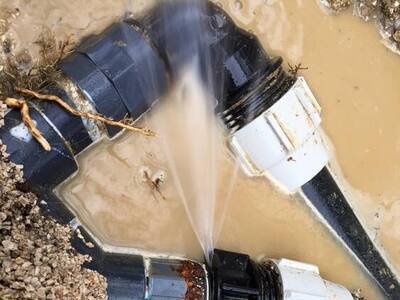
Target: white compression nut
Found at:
302, 281
285, 141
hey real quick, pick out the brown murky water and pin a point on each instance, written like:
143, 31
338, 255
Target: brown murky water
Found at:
356, 81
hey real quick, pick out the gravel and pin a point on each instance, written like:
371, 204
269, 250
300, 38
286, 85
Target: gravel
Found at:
37, 260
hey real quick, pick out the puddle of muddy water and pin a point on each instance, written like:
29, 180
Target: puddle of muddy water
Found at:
355, 79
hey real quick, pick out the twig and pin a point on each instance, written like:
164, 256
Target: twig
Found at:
296, 68
86, 115
22, 105
62, 47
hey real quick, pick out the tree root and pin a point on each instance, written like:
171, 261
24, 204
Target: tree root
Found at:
22, 105
97, 117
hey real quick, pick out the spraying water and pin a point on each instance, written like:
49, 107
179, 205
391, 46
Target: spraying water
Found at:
189, 120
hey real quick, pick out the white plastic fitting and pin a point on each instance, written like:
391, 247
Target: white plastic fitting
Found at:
284, 142
302, 281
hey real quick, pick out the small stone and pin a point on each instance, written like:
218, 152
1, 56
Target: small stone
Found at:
19, 261
396, 35
8, 245
26, 264
336, 5
3, 216
41, 293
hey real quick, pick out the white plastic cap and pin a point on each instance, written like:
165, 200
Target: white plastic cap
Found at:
284, 142
302, 281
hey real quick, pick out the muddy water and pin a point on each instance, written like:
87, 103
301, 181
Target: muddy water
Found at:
357, 83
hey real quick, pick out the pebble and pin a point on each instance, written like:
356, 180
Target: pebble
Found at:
396, 36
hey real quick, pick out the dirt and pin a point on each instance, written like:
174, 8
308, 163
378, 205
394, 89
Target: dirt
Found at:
19, 69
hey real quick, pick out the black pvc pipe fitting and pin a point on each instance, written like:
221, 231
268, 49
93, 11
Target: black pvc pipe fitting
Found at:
119, 71
230, 60
236, 276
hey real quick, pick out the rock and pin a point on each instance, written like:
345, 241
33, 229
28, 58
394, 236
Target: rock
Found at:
396, 35
8, 245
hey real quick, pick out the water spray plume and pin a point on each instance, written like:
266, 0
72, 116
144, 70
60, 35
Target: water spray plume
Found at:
192, 141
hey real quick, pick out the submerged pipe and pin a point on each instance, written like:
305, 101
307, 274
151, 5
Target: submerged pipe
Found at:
125, 69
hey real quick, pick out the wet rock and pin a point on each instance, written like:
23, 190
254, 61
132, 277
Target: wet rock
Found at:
337, 5
396, 36
8, 245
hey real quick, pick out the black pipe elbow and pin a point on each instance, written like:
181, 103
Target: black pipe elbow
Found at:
232, 63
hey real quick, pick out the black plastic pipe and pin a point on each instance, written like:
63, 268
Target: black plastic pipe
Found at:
124, 70
326, 196
232, 62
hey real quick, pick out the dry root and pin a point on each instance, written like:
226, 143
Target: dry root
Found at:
22, 105
87, 115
